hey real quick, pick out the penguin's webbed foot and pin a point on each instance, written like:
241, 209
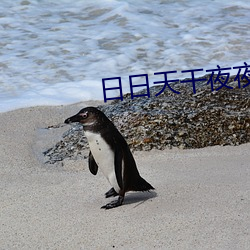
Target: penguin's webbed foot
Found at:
111, 193
113, 204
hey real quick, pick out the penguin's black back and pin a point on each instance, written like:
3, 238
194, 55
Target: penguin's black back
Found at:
132, 180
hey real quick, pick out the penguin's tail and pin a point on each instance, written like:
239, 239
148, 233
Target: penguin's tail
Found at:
141, 185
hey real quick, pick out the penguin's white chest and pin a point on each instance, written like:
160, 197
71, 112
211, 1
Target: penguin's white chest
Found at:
104, 157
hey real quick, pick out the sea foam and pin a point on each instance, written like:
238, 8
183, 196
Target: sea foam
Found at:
58, 52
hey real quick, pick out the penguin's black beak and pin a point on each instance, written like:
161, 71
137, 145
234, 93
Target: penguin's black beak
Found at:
74, 118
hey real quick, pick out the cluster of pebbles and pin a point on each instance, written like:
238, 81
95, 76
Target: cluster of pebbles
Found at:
184, 120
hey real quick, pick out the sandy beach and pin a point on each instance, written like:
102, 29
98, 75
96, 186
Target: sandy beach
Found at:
201, 198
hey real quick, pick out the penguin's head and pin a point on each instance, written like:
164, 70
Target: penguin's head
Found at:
88, 117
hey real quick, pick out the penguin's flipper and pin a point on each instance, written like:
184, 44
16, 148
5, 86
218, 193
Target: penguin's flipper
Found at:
111, 193
93, 167
118, 166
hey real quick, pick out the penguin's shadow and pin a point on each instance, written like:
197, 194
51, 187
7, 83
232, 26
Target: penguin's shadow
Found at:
137, 198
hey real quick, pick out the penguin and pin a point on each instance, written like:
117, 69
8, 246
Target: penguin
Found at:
110, 152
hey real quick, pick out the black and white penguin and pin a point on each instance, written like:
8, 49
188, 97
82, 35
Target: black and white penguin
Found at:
110, 152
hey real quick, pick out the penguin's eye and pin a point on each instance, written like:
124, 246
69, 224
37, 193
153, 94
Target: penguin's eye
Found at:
84, 115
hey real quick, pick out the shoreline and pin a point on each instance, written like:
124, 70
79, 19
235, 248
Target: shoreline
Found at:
201, 198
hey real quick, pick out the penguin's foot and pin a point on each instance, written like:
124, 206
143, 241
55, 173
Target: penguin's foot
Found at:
111, 193
113, 204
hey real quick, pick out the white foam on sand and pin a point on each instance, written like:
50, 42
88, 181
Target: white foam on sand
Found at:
58, 52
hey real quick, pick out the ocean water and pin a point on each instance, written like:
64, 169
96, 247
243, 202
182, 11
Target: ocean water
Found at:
58, 52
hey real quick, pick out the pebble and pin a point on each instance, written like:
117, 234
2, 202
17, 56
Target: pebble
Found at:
184, 120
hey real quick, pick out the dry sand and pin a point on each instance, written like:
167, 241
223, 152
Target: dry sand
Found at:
201, 201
